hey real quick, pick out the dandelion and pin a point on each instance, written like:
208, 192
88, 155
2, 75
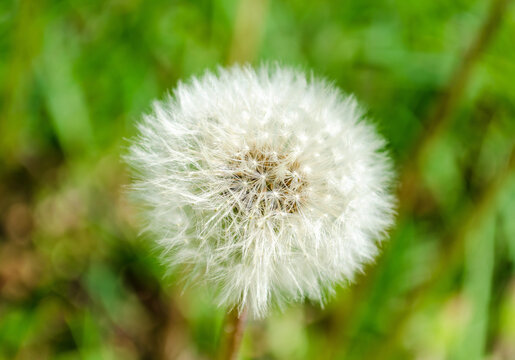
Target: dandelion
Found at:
265, 184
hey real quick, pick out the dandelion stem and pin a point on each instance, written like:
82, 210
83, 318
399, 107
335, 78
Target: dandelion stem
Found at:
233, 332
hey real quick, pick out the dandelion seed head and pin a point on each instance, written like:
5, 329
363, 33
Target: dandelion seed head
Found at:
269, 187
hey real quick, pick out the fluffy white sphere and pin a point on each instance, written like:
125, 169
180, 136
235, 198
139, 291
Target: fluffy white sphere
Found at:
265, 184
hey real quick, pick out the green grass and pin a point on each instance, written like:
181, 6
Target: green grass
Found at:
78, 282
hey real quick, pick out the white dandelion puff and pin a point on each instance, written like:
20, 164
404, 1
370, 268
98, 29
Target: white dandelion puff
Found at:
267, 185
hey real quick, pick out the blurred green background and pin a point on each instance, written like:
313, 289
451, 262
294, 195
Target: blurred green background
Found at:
78, 282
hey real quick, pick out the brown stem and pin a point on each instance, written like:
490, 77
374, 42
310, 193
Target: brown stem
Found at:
444, 106
250, 19
233, 334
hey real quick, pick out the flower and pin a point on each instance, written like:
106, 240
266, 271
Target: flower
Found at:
269, 186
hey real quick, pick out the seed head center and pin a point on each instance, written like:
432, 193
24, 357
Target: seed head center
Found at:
264, 182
